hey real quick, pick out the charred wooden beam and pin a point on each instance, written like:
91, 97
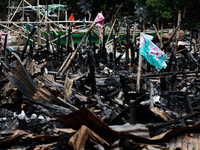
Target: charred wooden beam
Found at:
26, 44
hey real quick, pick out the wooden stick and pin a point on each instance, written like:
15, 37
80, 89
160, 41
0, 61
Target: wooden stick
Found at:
63, 65
156, 31
111, 30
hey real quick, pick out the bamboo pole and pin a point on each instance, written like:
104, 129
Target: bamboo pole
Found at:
38, 28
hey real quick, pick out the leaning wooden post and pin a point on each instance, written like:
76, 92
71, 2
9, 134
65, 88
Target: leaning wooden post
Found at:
177, 34
38, 20
139, 66
80, 44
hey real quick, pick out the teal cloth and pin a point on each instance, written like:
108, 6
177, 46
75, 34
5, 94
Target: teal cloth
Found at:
151, 52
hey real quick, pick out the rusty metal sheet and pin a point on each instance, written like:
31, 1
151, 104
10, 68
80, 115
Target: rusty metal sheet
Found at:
78, 140
85, 117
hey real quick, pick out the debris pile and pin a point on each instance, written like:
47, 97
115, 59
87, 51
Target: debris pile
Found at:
89, 97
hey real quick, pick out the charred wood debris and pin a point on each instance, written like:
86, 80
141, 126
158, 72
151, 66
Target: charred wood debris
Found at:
87, 98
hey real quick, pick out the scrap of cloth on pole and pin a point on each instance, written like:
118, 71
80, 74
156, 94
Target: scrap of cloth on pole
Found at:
151, 52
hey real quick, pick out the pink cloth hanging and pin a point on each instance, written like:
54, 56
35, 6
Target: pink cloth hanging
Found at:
99, 20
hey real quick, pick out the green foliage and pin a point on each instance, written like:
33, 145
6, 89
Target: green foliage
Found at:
162, 9
103, 5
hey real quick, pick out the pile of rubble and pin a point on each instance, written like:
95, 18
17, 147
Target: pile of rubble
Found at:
88, 99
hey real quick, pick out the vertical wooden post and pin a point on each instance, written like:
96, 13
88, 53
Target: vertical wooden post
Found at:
92, 71
66, 26
38, 20
139, 65
177, 33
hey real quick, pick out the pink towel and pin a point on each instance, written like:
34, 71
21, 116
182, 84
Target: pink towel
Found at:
99, 20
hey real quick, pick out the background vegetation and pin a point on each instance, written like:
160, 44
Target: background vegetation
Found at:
135, 10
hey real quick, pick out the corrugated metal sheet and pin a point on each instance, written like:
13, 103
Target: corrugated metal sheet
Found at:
138, 129
185, 142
